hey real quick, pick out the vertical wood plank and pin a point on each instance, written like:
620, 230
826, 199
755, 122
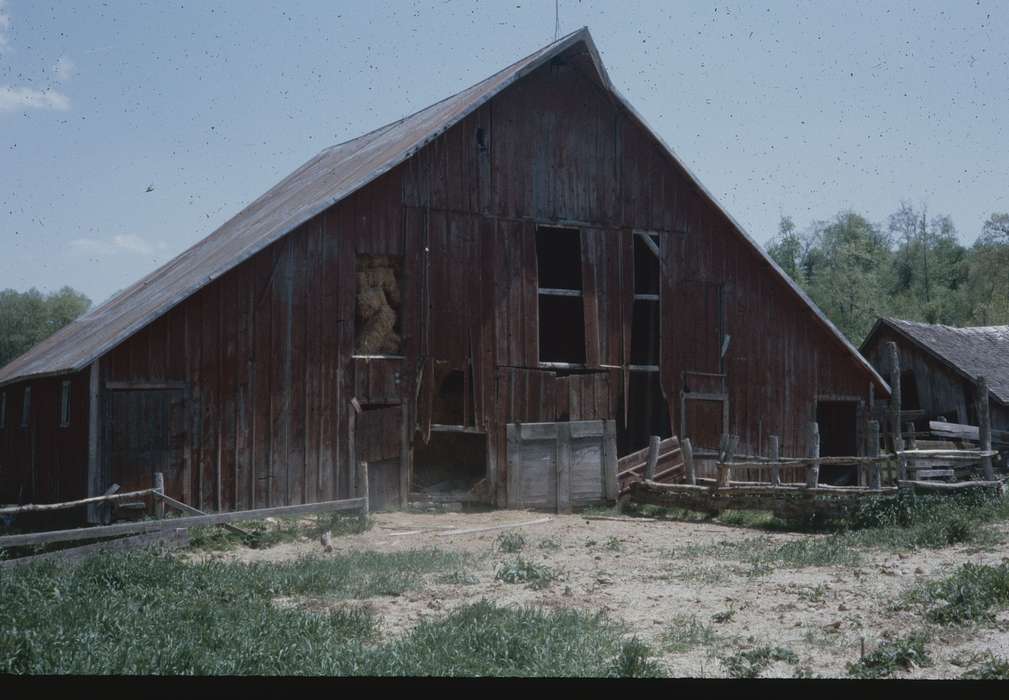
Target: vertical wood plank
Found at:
774, 453
813, 470
563, 467
984, 425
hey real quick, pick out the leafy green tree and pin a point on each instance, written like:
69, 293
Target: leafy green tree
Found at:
788, 249
988, 273
28, 318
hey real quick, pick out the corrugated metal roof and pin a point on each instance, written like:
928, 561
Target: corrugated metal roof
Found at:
329, 177
978, 351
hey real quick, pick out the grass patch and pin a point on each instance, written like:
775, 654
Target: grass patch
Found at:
987, 667
485, 639
753, 662
763, 554
973, 593
894, 655
510, 542
139, 613
268, 533
524, 571
687, 632
551, 544
457, 578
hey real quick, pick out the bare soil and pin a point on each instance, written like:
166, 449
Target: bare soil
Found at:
652, 575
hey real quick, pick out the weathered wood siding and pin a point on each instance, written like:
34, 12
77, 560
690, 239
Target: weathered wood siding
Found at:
265, 350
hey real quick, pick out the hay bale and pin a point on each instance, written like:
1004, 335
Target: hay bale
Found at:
378, 299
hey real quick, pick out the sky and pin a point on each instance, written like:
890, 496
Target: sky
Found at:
131, 130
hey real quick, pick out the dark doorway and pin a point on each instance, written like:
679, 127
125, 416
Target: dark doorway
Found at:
452, 462
647, 412
837, 421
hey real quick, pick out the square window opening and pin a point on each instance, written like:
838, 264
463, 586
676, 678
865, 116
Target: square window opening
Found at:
562, 329
559, 258
646, 266
645, 333
377, 323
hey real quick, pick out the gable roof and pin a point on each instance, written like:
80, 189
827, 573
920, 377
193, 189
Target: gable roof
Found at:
326, 179
978, 351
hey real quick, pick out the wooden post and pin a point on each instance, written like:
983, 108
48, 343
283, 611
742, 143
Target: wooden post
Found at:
653, 457
813, 470
563, 467
875, 482
898, 442
362, 486
611, 487
405, 456
159, 486
725, 458
984, 426
774, 452
911, 444
688, 461
94, 435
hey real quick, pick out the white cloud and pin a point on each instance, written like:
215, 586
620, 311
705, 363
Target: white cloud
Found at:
64, 69
123, 243
13, 99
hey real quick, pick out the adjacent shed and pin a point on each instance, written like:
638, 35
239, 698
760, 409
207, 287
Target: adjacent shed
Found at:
939, 368
526, 251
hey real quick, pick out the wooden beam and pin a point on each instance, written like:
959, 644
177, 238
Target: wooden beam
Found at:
688, 460
813, 471
94, 433
774, 452
172, 539
984, 426
875, 478
894, 356
87, 533
653, 456
179, 505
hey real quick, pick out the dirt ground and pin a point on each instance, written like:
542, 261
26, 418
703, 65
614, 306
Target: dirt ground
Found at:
654, 575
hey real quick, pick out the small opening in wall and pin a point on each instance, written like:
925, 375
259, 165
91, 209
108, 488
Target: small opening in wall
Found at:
559, 258
377, 320
562, 329
481, 140
65, 404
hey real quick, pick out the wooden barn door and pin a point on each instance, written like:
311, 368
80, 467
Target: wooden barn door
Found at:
555, 466
378, 441
146, 434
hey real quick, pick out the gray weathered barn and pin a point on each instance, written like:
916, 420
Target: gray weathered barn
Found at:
525, 251
939, 367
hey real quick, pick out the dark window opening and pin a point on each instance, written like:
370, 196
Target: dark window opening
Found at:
559, 258
837, 422
26, 407
65, 404
481, 140
377, 327
646, 266
449, 399
908, 391
647, 412
3, 410
645, 333
561, 311
562, 329
450, 462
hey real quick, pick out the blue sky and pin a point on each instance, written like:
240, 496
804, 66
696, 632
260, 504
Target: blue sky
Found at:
798, 108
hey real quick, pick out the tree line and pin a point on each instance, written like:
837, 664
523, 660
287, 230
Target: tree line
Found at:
28, 318
912, 267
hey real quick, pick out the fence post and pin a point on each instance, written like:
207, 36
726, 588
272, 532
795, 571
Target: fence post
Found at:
362, 485
910, 444
774, 451
875, 482
688, 460
813, 470
653, 457
159, 488
898, 442
984, 426
726, 456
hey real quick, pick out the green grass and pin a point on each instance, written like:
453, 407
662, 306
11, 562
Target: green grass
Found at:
901, 654
987, 667
510, 542
264, 534
685, 632
140, 613
524, 571
753, 662
971, 594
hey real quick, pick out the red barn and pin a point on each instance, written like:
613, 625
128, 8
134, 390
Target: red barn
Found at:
526, 251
